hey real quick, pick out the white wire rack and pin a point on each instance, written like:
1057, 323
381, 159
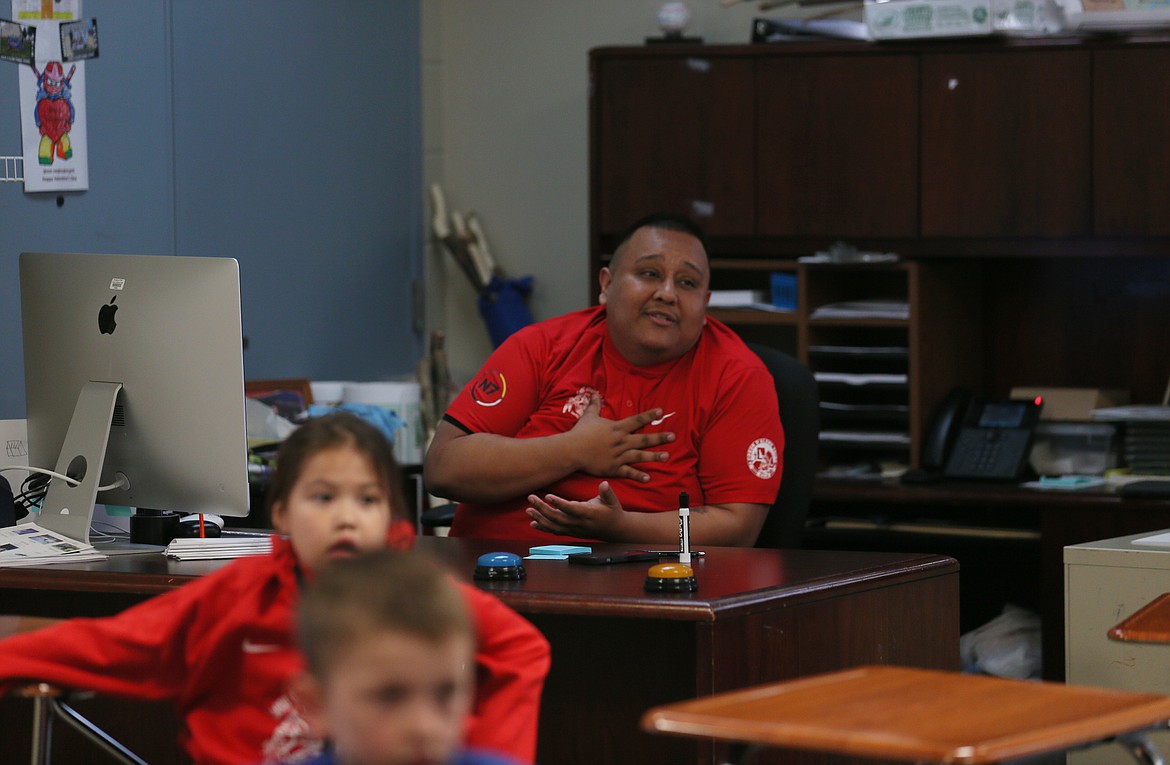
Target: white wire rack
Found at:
11, 169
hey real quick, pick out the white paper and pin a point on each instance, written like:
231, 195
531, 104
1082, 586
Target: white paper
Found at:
32, 545
215, 548
861, 379
1157, 540
863, 309
14, 438
893, 438
1136, 412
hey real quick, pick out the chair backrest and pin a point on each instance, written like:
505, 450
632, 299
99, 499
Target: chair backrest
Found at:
796, 391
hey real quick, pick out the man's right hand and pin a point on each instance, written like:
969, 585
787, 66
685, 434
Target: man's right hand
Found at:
610, 448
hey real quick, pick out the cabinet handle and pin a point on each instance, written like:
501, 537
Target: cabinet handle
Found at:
698, 65
953, 83
702, 208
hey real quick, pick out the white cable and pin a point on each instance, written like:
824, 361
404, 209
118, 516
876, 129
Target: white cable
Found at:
104, 531
120, 483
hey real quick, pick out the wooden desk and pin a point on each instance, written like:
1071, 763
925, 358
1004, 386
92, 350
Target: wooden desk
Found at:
759, 616
1027, 569
920, 715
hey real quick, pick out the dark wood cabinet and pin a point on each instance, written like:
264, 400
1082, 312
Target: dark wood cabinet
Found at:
837, 139
675, 133
1006, 143
1036, 165
1131, 156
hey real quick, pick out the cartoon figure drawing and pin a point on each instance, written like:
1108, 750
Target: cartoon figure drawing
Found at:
54, 111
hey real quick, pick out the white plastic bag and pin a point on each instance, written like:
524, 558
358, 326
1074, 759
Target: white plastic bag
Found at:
1006, 646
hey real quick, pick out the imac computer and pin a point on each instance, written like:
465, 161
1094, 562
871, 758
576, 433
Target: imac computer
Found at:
134, 379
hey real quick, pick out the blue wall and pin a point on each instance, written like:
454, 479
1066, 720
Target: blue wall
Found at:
276, 132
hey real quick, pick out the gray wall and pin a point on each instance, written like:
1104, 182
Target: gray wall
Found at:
506, 132
276, 132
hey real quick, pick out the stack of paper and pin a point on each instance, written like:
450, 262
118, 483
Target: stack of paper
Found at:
214, 548
1147, 436
31, 545
758, 300
555, 552
865, 437
864, 309
847, 378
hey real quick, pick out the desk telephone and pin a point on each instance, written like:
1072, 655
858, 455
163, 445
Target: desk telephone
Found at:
972, 437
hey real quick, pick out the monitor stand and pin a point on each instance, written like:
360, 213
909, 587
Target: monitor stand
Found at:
68, 509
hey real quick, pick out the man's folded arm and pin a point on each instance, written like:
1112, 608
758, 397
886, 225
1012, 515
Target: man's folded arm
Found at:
486, 468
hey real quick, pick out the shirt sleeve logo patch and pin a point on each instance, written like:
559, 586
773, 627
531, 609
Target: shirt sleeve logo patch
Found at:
489, 388
762, 458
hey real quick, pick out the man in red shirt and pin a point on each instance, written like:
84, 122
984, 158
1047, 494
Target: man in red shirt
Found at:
589, 425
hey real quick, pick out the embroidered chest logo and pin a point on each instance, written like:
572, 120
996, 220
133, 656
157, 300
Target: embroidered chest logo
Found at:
251, 646
762, 458
489, 388
291, 740
576, 405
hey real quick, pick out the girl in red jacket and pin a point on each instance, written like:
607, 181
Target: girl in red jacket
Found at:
222, 649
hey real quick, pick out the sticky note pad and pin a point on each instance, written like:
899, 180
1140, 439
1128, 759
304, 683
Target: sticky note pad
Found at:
542, 550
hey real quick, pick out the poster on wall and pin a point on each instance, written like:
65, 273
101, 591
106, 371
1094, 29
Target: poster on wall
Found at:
52, 100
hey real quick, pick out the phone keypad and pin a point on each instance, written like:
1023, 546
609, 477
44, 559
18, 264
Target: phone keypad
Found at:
988, 453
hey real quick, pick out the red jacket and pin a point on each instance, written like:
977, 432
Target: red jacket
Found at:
221, 648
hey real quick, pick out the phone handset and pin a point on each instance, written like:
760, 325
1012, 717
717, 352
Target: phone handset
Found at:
944, 424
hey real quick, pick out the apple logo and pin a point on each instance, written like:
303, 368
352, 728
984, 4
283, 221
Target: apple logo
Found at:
106, 323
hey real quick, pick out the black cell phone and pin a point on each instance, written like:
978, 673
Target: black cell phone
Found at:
1152, 488
606, 558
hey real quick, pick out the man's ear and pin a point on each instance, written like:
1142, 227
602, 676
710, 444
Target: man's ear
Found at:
310, 698
605, 277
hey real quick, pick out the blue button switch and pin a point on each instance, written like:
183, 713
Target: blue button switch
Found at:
499, 566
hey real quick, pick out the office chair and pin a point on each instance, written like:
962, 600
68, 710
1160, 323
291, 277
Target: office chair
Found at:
796, 392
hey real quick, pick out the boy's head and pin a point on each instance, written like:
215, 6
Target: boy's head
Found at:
335, 489
389, 650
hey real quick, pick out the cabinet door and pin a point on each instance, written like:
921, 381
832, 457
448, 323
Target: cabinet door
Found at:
838, 146
674, 134
1005, 143
1131, 111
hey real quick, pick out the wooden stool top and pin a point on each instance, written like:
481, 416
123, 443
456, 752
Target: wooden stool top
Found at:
1149, 624
914, 714
12, 624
